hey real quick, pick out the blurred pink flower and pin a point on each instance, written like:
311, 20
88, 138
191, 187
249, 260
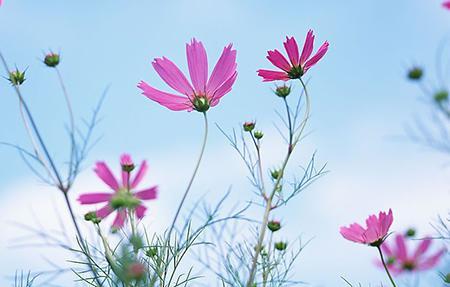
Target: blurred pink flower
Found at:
375, 232
399, 260
297, 65
446, 4
203, 93
123, 196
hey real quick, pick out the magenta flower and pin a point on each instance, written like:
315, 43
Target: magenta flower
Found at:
375, 232
123, 197
399, 260
203, 93
297, 65
446, 4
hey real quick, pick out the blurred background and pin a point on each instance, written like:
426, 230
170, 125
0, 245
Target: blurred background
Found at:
361, 105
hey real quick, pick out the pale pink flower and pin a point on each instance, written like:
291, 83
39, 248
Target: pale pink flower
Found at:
400, 260
123, 193
446, 5
203, 93
375, 232
298, 64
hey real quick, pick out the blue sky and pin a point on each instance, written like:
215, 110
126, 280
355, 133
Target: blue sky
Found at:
361, 103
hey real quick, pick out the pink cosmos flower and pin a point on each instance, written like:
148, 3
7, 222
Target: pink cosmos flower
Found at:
123, 197
297, 65
203, 93
375, 232
399, 260
446, 4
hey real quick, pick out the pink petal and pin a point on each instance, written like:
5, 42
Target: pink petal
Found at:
170, 73
223, 90
316, 58
269, 76
119, 221
170, 101
140, 174
387, 249
353, 233
278, 60
198, 65
90, 198
224, 68
432, 261
307, 47
292, 50
140, 211
104, 211
446, 5
422, 248
147, 194
402, 254
103, 171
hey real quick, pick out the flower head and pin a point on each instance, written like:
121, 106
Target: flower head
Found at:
375, 232
446, 5
124, 198
399, 260
203, 93
298, 64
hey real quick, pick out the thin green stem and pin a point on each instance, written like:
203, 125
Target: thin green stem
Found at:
385, 266
188, 188
269, 200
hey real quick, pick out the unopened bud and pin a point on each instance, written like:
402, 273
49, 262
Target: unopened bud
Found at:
415, 74
274, 225
51, 60
283, 91
151, 252
280, 246
446, 278
441, 96
136, 271
411, 232
92, 216
16, 77
276, 173
127, 163
248, 126
258, 134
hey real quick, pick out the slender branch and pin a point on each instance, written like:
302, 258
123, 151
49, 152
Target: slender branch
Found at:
205, 137
385, 266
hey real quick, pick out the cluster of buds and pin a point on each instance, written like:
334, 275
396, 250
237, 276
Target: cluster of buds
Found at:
51, 60
250, 128
16, 77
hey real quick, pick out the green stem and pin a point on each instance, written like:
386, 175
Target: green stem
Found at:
188, 188
385, 266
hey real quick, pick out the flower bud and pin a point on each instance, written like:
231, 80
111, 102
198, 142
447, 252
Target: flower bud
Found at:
127, 163
92, 216
51, 60
152, 252
136, 271
390, 260
283, 91
258, 134
441, 96
248, 126
415, 74
274, 225
201, 104
446, 278
275, 173
16, 77
411, 232
280, 246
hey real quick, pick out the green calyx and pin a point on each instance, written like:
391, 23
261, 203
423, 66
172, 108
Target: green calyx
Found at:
124, 199
296, 72
201, 104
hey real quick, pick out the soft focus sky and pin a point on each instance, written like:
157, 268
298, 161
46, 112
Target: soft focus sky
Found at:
361, 104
